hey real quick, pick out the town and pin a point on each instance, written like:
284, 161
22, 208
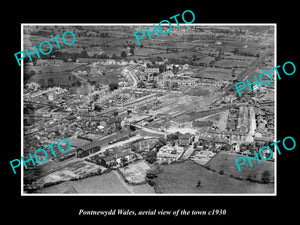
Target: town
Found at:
160, 117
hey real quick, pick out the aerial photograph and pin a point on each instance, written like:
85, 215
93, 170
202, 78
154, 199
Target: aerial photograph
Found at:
162, 117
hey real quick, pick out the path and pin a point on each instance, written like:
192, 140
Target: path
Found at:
127, 186
188, 152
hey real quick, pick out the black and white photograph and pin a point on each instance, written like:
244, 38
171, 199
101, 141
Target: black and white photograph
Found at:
168, 115
162, 117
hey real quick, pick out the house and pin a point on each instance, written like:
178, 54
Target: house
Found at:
144, 145
167, 74
88, 149
118, 158
184, 139
168, 154
262, 140
236, 147
151, 70
219, 142
204, 140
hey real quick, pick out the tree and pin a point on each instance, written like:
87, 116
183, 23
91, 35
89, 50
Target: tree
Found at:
84, 54
161, 142
251, 177
141, 84
198, 183
151, 156
265, 177
113, 86
174, 86
155, 84
97, 108
162, 68
131, 51
123, 54
167, 84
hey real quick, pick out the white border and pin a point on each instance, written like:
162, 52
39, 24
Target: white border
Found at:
151, 24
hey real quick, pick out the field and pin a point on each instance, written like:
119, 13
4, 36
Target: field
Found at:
188, 117
197, 92
184, 178
54, 69
135, 173
232, 63
214, 73
58, 78
108, 183
109, 77
198, 124
225, 161
74, 170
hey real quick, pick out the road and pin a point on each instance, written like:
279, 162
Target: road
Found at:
188, 152
127, 186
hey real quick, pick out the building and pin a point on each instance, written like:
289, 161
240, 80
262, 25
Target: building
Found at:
219, 142
151, 70
144, 145
184, 140
118, 158
204, 140
243, 119
167, 74
88, 149
168, 154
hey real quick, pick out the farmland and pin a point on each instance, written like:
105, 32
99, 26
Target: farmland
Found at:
184, 177
59, 78
197, 92
174, 88
106, 183
225, 162
214, 73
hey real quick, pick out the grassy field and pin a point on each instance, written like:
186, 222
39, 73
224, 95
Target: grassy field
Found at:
109, 77
197, 92
215, 73
58, 78
188, 117
54, 69
184, 177
225, 161
232, 63
198, 124
107, 183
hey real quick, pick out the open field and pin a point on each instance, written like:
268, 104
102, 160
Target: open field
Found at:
73, 170
225, 161
184, 177
188, 117
197, 92
104, 184
58, 78
232, 63
214, 73
109, 77
66, 67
